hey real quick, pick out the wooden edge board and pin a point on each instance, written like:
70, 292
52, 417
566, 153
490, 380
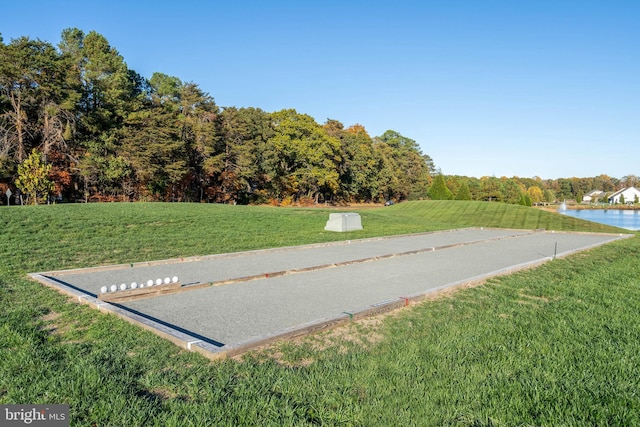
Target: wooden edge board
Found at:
140, 293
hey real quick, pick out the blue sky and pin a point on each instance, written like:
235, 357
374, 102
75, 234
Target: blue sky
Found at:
487, 88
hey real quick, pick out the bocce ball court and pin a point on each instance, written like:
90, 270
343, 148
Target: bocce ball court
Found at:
223, 305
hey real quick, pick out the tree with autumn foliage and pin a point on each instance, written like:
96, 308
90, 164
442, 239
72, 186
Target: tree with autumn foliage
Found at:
33, 178
306, 158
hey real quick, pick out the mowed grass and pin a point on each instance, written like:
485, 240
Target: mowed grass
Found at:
556, 345
36, 238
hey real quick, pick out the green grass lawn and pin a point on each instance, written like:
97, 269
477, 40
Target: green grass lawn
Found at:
556, 345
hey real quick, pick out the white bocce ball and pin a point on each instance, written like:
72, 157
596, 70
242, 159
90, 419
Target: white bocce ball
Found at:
114, 288
134, 285
175, 279
123, 286
104, 289
159, 282
149, 282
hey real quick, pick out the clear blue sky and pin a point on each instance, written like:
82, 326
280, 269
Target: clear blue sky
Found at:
547, 88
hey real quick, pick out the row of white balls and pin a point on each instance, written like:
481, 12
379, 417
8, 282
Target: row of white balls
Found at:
135, 285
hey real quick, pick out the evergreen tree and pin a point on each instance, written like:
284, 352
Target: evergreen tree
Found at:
463, 192
525, 199
406, 171
151, 145
359, 164
439, 189
242, 165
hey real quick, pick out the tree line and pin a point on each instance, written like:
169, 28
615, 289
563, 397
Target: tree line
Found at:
77, 124
524, 191
93, 129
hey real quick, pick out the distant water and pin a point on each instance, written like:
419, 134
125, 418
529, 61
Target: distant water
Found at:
627, 219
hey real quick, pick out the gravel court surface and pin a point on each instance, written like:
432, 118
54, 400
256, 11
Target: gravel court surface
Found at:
237, 313
195, 270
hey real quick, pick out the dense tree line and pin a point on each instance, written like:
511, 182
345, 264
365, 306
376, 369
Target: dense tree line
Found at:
527, 191
104, 132
77, 124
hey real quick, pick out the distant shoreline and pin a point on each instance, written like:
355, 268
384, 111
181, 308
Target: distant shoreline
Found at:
592, 208
604, 207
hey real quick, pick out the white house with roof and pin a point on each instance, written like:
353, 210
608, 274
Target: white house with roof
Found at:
592, 196
627, 195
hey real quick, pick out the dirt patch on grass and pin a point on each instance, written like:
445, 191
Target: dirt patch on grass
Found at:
52, 324
160, 393
363, 333
533, 300
50, 317
306, 350
522, 294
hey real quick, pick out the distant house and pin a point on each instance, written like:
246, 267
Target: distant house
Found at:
592, 196
626, 195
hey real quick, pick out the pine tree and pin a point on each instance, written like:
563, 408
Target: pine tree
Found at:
439, 189
525, 199
463, 192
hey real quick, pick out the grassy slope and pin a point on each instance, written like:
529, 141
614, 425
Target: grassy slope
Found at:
556, 345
